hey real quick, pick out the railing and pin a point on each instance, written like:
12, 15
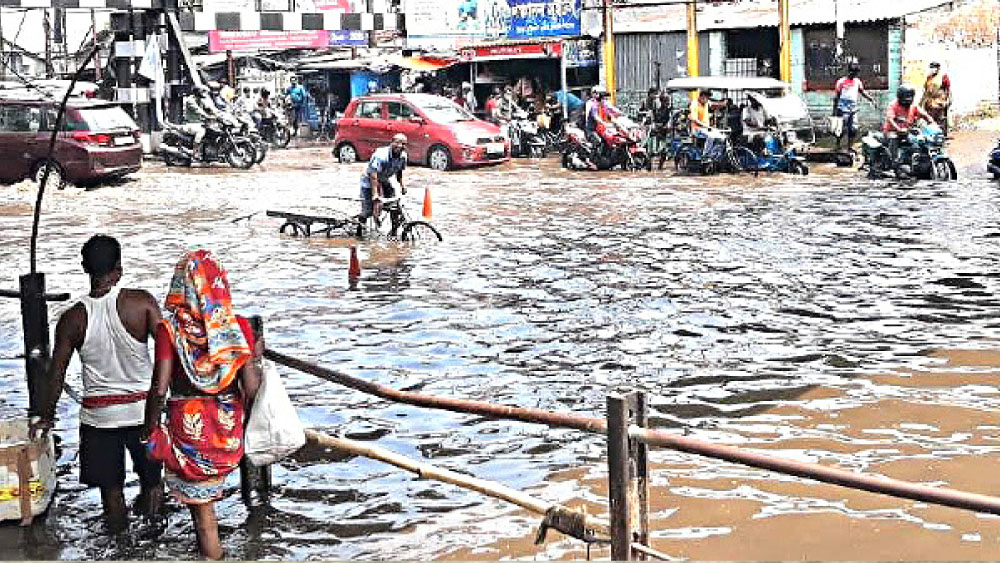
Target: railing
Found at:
628, 475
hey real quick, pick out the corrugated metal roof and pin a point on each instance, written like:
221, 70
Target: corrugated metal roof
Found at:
746, 14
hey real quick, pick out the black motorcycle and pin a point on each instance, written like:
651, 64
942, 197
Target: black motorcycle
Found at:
222, 142
920, 155
274, 129
993, 166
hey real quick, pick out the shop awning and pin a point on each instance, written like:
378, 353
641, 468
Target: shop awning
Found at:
422, 63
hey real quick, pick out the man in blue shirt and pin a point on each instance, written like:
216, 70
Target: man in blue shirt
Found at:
297, 96
379, 180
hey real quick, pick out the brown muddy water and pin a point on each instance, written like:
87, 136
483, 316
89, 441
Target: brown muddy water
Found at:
826, 318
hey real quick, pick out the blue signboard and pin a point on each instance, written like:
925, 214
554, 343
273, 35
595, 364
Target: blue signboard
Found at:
343, 37
543, 18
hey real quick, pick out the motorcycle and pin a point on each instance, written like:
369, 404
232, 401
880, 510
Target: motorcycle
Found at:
993, 166
221, 143
248, 129
525, 136
577, 150
274, 128
622, 145
921, 155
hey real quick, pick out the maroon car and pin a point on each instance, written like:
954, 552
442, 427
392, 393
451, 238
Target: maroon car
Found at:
99, 140
441, 134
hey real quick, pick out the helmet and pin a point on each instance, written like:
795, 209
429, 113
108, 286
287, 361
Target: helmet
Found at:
599, 90
905, 95
853, 68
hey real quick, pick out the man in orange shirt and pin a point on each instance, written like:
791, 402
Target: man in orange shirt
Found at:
699, 118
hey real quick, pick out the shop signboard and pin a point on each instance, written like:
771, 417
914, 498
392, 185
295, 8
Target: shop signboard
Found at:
515, 51
250, 41
580, 52
345, 38
543, 18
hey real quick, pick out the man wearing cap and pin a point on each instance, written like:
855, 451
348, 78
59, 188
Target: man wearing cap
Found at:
937, 96
379, 180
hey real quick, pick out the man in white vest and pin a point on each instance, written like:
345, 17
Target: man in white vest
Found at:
111, 329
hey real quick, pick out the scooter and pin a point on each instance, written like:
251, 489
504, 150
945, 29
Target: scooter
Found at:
221, 143
993, 166
921, 155
577, 150
525, 139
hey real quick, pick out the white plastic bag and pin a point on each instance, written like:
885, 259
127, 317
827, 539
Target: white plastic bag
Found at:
274, 430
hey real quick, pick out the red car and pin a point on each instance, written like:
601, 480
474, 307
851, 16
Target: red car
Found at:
99, 140
441, 134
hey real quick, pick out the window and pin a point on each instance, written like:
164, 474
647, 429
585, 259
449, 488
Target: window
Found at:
370, 110
20, 119
865, 44
400, 111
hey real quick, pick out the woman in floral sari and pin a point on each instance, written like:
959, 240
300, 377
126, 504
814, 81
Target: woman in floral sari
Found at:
207, 358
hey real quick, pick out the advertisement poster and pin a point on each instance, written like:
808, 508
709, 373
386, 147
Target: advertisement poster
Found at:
249, 41
542, 18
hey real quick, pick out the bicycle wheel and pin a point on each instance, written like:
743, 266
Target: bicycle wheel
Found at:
420, 231
743, 159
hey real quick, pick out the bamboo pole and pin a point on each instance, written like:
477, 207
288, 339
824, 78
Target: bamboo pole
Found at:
428, 471
815, 471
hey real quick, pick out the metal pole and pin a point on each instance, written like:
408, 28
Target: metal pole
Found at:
563, 83
47, 28
609, 51
640, 417
255, 481
35, 324
230, 69
693, 49
785, 38
97, 61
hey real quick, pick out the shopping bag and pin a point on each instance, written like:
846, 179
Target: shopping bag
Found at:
836, 125
274, 430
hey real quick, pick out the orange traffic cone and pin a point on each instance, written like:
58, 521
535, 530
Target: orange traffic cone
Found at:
427, 203
354, 270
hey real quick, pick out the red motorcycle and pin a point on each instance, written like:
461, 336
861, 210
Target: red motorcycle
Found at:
622, 146
577, 151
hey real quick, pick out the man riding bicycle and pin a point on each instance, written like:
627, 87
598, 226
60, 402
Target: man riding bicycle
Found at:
379, 181
900, 116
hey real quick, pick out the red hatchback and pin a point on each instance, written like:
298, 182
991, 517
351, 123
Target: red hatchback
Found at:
441, 134
99, 140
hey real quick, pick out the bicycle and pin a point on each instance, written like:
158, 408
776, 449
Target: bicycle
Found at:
390, 220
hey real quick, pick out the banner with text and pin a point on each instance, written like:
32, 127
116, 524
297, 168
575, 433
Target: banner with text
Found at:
543, 18
249, 41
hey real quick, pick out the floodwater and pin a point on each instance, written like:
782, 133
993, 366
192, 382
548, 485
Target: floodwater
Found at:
826, 318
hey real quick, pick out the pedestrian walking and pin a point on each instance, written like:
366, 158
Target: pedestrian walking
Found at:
208, 360
110, 329
849, 91
936, 98
297, 97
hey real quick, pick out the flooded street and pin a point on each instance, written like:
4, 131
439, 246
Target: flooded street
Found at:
827, 318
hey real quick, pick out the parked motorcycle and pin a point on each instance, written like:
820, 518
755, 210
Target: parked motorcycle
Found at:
921, 155
525, 136
221, 143
993, 166
623, 145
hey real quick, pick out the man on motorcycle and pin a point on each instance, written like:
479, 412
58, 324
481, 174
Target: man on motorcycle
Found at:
198, 108
384, 172
700, 120
600, 112
849, 91
900, 116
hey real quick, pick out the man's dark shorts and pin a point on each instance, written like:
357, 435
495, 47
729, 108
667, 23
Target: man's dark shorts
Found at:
367, 198
102, 457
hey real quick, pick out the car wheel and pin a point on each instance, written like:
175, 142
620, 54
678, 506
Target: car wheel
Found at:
55, 179
347, 154
438, 158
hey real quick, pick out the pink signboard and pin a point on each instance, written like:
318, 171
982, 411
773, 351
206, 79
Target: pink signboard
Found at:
241, 41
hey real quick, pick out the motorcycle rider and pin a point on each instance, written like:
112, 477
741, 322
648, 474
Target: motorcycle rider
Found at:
601, 112
379, 180
900, 116
198, 108
849, 90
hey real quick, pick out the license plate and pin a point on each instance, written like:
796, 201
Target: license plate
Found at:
494, 148
120, 141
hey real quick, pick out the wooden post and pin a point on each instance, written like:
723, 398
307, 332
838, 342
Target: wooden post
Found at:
628, 476
255, 479
693, 49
